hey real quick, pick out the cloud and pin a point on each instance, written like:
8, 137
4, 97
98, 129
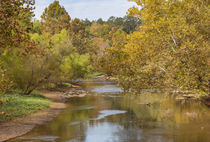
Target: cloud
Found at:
91, 9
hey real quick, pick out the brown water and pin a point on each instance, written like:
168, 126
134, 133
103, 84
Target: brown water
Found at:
106, 115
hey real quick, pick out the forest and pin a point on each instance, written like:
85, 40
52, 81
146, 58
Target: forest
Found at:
159, 44
56, 49
152, 47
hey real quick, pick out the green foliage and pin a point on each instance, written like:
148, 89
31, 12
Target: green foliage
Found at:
87, 22
128, 24
59, 62
62, 62
79, 65
26, 72
36, 27
97, 74
100, 21
16, 105
131, 24
5, 83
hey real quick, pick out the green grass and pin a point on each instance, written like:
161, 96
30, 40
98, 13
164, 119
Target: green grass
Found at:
95, 74
19, 105
64, 84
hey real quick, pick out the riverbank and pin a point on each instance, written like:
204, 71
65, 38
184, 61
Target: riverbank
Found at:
22, 125
206, 101
16, 105
105, 77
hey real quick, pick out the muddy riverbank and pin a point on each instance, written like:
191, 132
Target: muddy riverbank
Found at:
25, 124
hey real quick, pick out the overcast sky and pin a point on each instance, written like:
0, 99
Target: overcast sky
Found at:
91, 9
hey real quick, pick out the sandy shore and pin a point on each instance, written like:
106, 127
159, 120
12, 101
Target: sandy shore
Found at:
25, 124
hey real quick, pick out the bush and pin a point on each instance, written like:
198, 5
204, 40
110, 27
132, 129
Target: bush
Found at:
56, 62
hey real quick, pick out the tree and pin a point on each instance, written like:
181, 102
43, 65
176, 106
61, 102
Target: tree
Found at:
130, 24
96, 51
55, 18
36, 27
79, 36
100, 21
77, 26
99, 30
87, 23
15, 25
111, 20
15, 22
172, 44
170, 49
114, 57
119, 21
127, 23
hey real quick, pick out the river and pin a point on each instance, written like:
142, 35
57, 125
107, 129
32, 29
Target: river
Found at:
108, 115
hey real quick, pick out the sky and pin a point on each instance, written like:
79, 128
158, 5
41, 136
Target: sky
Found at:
90, 9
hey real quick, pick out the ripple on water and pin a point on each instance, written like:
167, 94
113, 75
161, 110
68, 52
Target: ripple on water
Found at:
81, 108
103, 114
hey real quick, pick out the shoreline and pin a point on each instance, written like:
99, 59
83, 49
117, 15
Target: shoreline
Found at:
185, 94
22, 125
206, 101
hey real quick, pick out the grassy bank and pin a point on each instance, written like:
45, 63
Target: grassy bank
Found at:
15, 105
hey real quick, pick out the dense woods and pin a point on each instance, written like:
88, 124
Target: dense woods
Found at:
39, 54
160, 44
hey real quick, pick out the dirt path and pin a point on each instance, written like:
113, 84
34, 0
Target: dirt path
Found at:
23, 125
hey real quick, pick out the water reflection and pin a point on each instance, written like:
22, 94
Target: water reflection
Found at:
44, 138
107, 89
105, 116
98, 86
103, 132
105, 113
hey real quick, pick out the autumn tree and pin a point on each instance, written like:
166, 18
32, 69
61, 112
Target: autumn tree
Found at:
98, 30
78, 36
113, 58
77, 26
55, 18
15, 25
172, 44
15, 22
168, 49
96, 51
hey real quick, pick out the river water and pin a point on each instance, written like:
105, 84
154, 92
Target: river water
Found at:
108, 115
